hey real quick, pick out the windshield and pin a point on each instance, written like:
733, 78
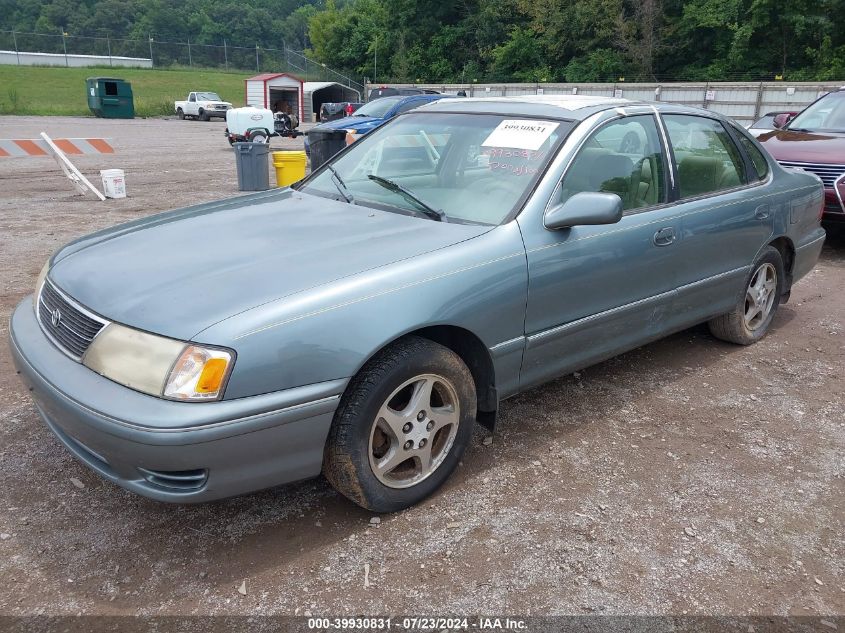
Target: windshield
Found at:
378, 108
825, 115
208, 96
464, 167
765, 122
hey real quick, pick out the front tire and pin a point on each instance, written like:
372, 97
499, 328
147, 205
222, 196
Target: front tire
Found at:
402, 425
749, 321
203, 115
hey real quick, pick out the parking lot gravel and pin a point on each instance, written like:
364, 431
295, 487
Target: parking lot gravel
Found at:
689, 476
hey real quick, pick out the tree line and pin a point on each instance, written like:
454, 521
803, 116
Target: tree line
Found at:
490, 40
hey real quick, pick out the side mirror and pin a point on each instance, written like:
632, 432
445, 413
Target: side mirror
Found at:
587, 207
781, 120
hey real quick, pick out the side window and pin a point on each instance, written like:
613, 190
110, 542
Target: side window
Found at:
623, 157
111, 89
706, 157
761, 166
193, 97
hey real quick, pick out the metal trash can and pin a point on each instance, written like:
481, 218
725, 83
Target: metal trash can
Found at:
252, 160
110, 98
323, 144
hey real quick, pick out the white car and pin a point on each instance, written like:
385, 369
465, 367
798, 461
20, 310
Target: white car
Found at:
202, 106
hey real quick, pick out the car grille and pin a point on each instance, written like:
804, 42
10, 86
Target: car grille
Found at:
71, 327
828, 173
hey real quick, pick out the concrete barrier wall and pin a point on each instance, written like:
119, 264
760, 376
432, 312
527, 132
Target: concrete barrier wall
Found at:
77, 61
743, 101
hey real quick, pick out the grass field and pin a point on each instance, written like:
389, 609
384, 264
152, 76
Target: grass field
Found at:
36, 90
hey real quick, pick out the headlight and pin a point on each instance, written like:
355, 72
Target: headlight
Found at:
200, 373
159, 366
40, 282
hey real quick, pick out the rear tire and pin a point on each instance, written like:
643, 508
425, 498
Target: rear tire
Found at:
180, 114
749, 321
402, 425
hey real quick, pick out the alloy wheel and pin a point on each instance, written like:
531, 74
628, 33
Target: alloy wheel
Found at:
414, 431
760, 296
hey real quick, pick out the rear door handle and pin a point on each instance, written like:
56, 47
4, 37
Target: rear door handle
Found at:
664, 237
762, 212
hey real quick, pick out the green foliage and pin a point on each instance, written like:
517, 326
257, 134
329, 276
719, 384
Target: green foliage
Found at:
520, 57
478, 40
602, 64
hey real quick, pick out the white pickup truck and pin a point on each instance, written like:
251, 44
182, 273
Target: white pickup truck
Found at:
202, 106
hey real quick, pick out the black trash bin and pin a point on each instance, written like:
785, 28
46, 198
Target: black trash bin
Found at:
252, 160
323, 144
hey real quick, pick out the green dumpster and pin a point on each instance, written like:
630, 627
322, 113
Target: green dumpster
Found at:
110, 98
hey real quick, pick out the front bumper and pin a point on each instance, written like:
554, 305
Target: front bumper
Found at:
173, 451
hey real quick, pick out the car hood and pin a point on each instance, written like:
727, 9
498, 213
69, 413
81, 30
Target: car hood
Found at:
805, 147
178, 273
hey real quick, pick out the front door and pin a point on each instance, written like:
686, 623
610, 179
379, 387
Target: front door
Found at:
595, 291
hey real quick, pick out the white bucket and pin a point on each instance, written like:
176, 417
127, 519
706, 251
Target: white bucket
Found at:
114, 184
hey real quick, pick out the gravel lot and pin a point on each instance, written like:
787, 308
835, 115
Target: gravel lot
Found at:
690, 476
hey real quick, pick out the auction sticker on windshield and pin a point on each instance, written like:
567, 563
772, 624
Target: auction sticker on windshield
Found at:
521, 134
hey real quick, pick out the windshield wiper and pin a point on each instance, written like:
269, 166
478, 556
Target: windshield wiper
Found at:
341, 186
431, 212
799, 129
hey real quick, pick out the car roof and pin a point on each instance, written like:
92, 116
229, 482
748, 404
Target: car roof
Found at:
571, 107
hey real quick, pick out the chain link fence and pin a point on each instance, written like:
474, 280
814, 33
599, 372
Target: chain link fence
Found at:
156, 53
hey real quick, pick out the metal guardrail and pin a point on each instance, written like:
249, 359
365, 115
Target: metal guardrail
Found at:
744, 101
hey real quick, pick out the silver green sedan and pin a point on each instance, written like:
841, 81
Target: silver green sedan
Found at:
359, 323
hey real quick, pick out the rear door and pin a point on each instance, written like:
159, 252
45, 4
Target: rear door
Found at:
726, 215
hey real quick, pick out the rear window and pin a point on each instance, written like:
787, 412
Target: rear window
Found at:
765, 122
378, 108
761, 165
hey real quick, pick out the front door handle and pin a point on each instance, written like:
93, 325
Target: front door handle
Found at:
762, 212
664, 237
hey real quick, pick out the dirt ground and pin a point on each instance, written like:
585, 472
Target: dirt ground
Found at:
690, 476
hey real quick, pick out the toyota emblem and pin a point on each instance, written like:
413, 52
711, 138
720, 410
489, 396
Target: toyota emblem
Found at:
55, 317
